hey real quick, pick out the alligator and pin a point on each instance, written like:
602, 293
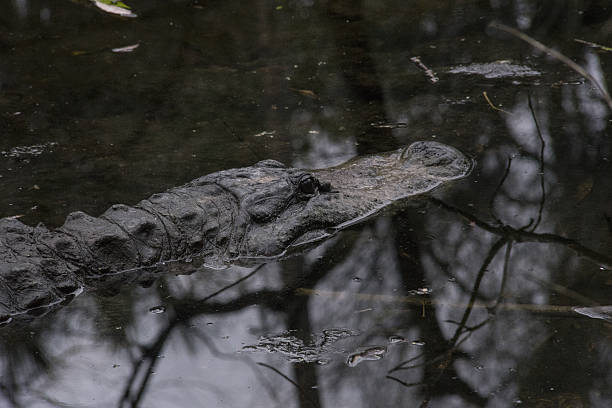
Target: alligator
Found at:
251, 214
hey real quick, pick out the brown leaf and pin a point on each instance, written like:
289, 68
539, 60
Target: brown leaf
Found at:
306, 92
584, 189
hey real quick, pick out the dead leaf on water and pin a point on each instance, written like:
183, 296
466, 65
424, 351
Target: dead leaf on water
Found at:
597, 312
584, 189
306, 92
127, 48
114, 7
269, 133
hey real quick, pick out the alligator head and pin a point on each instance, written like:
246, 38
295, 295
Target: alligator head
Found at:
306, 206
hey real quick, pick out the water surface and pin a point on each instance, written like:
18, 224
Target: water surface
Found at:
489, 292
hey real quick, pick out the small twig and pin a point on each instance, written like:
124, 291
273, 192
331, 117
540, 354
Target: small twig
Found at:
431, 76
593, 45
493, 106
555, 54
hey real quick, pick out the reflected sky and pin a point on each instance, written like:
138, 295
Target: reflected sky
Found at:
479, 278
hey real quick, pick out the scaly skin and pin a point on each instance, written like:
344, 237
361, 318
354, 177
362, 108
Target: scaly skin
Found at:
234, 215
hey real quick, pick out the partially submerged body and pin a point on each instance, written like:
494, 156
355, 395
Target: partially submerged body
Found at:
225, 217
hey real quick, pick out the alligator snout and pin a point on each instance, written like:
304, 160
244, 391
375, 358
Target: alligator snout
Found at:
439, 160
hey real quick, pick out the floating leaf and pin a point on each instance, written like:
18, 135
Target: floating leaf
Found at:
597, 312
306, 92
270, 133
127, 48
114, 7
584, 189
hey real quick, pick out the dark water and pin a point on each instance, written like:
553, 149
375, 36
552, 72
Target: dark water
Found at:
464, 298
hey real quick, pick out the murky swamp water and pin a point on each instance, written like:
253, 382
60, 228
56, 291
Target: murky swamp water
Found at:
492, 291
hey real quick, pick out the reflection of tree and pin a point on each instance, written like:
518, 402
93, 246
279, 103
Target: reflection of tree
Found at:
354, 59
23, 359
183, 311
439, 377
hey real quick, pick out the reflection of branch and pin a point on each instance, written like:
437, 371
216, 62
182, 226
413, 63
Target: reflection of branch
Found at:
150, 354
555, 54
231, 285
233, 357
490, 256
404, 383
148, 360
520, 235
447, 355
502, 286
542, 147
562, 290
296, 385
501, 182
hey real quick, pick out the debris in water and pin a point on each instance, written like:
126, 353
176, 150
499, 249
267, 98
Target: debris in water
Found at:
497, 69
34, 150
431, 76
420, 291
305, 92
593, 45
299, 351
114, 7
386, 125
395, 339
584, 189
127, 48
492, 105
366, 354
270, 133
597, 312
157, 309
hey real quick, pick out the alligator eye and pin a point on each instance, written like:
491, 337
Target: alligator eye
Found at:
308, 185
